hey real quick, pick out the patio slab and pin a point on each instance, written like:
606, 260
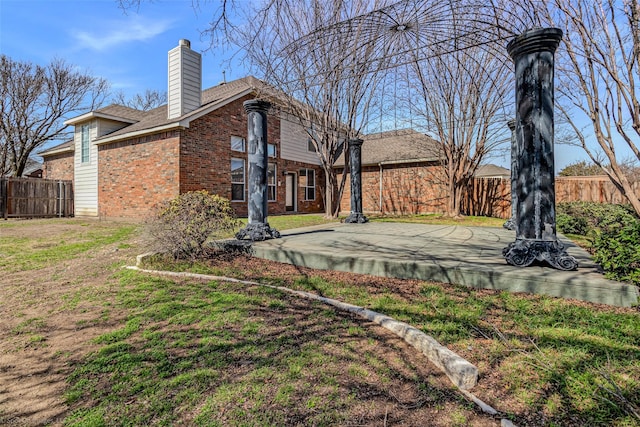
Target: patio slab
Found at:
470, 256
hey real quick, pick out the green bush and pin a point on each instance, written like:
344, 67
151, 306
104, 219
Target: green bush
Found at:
617, 249
568, 224
584, 218
183, 226
614, 232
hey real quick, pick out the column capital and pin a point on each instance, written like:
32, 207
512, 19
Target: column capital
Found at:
258, 105
535, 40
355, 142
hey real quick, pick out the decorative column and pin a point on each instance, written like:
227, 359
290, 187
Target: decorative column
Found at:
257, 226
511, 222
355, 160
535, 218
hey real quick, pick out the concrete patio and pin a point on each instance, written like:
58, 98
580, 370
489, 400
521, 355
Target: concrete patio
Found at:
470, 256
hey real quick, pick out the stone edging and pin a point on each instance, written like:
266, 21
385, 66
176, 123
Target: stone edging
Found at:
462, 373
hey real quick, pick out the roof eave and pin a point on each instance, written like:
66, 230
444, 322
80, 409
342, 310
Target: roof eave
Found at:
97, 115
129, 135
45, 153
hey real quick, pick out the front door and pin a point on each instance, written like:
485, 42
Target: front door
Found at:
290, 188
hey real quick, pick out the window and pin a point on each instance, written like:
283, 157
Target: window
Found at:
308, 183
271, 182
312, 135
271, 150
311, 146
84, 141
237, 143
237, 180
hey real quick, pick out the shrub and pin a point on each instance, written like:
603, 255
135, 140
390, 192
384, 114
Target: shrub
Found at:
586, 217
614, 232
617, 249
182, 226
568, 224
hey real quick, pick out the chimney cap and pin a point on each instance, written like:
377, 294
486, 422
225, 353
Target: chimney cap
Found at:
184, 42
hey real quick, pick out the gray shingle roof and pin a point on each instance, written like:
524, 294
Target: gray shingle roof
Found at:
397, 146
157, 117
65, 146
492, 171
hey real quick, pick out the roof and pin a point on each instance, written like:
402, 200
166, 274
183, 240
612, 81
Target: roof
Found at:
65, 147
144, 122
397, 146
212, 98
31, 166
492, 171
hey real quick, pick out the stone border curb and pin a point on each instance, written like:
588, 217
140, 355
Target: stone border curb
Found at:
462, 373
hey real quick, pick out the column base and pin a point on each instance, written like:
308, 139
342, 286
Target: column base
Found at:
523, 252
257, 232
510, 224
356, 218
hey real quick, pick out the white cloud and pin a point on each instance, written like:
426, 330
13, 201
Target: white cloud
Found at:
119, 32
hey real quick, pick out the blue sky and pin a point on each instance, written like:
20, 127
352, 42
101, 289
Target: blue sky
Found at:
127, 49
130, 49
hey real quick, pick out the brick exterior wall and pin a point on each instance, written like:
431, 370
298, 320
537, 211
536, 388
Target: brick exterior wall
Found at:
136, 174
58, 166
205, 158
409, 188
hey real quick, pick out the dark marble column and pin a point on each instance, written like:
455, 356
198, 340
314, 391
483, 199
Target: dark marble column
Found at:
257, 226
355, 160
511, 222
535, 219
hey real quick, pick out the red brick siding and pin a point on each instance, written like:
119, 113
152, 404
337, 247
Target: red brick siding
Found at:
136, 174
58, 166
205, 158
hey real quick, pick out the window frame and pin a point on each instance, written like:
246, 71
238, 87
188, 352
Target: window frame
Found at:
243, 144
85, 143
272, 186
304, 183
275, 151
244, 180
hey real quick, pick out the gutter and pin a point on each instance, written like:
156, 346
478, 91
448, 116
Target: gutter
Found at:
170, 126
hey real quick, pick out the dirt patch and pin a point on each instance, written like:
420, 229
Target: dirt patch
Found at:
48, 318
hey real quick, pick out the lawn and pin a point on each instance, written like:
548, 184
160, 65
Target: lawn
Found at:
110, 346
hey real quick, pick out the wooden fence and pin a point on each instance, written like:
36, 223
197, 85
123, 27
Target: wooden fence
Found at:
32, 198
492, 196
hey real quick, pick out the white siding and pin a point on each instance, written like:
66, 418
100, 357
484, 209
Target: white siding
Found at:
107, 126
185, 80
294, 142
85, 175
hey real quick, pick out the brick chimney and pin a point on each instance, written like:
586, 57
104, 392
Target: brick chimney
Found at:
185, 80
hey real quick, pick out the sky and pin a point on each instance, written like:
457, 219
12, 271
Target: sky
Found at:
129, 48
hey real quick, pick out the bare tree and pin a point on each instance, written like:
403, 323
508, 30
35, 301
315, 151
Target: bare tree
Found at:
598, 69
324, 81
460, 96
145, 102
34, 103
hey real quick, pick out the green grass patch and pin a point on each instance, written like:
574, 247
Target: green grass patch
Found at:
25, 254
440, 219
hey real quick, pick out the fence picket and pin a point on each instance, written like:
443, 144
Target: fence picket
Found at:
34, 197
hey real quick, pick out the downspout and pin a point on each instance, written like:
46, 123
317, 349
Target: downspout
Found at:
380, 195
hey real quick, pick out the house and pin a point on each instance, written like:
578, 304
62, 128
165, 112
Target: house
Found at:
401, 174
124, 161
33, 169
492, 171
